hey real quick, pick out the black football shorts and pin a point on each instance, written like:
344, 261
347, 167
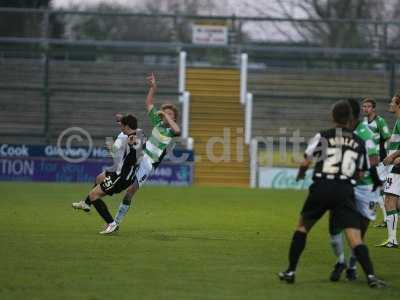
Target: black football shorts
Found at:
334, 196
114, 183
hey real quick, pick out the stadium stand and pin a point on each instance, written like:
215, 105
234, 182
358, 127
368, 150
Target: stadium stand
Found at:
298, 98
21, 99
87, 93
81, 93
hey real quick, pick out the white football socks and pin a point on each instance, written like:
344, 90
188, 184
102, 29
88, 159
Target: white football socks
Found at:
338, 247
392, 220
381, 203
122, 211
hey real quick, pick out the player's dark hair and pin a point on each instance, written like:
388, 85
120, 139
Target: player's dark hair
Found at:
341, 112
369, 100
355, 108
130, 121
171, 107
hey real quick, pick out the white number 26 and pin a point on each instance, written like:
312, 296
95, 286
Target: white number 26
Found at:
334, 156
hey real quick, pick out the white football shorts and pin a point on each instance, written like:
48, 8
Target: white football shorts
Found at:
366, 201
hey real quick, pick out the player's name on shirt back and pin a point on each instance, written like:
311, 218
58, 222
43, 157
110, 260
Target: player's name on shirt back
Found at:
340, 141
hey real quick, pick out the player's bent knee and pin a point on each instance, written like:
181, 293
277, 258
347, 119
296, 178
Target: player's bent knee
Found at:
96, 193
100, 178
354, 237
391, 201
92, 196
132, 189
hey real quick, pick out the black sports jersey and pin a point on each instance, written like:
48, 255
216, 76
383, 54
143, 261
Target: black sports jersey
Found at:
116, 182
339, 155
129, 163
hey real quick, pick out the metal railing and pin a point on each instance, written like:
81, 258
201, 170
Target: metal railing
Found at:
245, 33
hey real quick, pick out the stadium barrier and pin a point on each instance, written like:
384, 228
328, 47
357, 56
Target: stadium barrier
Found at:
82, 164
282, 178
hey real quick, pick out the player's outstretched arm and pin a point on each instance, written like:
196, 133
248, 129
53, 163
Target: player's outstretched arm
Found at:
151, 81
301, 174
390, 158
308, 156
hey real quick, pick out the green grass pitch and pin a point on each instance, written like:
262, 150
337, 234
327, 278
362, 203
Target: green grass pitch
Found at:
176, 243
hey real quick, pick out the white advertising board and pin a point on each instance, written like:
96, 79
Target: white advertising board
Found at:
282, 178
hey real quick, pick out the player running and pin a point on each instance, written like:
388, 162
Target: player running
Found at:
381, 132
165, 128
392, 183
366, 196
341, 158
119, 179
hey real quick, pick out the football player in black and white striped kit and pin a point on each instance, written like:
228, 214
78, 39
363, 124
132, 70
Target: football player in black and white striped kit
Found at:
120, 176
341, 158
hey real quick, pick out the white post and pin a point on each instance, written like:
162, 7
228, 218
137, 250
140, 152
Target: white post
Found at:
253, 163
184, 98
185, 115
248, 118
243, 78
189, 143
182, 72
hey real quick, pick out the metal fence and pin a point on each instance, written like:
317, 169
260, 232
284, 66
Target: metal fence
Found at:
78, 26
115, 25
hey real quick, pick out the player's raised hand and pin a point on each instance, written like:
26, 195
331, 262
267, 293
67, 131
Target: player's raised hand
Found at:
151, 80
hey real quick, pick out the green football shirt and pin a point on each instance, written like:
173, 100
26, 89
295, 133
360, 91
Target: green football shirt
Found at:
394, 142
379, 128
363, 131
161, 136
